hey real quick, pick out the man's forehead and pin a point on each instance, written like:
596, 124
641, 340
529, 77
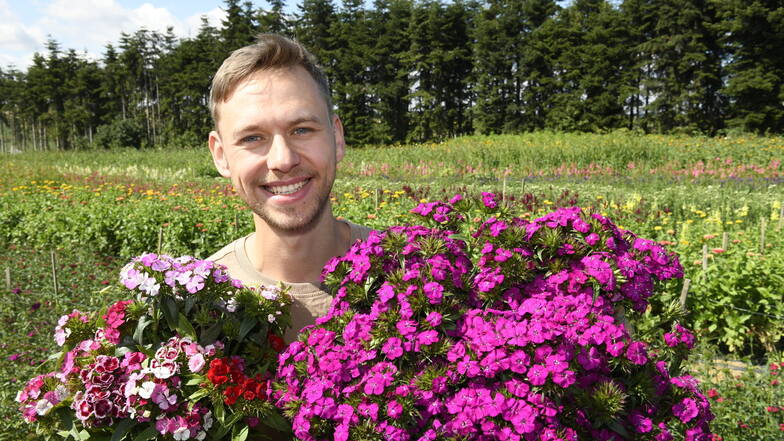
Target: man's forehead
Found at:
262, 83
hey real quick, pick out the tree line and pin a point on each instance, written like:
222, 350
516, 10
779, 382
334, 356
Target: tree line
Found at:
425, 70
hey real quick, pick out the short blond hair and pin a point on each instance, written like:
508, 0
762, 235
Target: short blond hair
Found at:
270, 51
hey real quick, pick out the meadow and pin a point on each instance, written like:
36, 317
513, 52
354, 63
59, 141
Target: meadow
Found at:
70, 220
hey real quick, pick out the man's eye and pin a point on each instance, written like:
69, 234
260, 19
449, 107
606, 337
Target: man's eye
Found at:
302, 130
251, 138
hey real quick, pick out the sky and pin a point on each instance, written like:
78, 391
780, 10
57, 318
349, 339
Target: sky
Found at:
89, 25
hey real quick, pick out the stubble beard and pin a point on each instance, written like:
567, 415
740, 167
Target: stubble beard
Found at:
294, 220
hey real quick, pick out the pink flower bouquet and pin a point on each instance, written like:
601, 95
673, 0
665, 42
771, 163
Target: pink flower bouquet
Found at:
495, 328
146, 368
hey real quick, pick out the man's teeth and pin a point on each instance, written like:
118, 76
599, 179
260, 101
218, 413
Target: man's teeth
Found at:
285, 189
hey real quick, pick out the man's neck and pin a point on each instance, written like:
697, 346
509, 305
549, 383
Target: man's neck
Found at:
297, 257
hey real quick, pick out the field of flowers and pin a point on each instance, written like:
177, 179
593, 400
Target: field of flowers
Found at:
78, 217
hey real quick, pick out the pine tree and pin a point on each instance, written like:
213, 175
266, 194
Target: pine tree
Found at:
239, 27
275, 20
687, 74
388, 76
351, 40
753, 33
589, 43
440, 63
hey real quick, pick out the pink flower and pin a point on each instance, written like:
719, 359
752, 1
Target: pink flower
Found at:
196, 363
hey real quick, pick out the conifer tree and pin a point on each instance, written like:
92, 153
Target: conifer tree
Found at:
686, 75
440, 63
388, 76
753, 34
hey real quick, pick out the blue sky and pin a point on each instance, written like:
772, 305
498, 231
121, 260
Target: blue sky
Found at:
89, 25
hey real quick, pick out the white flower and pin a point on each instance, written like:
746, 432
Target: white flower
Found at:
43, 406
149, 286
184, 278
61, 392
231, 305
207, 421
182, 433
201, 435
270, 293
146, 390
271, 318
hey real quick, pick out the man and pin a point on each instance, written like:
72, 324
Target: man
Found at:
276, 136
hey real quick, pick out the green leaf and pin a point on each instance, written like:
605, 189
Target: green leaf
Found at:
169, 308
190, 301
199, 394
218, 410
146, 435
241, 434
138, 333
277, 422
211, 334
619, 429
198, 379
184, 327
247, 325
122, 429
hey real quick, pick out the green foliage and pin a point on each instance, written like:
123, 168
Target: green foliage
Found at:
119, 133
746, 398
421, 71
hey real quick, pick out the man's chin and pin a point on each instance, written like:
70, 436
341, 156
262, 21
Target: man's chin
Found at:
291, 223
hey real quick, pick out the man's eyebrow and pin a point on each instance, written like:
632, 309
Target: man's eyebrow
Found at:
306, 118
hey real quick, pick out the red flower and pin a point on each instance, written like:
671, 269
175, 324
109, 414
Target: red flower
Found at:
772, 409
218, 373
713, 393
277, 343
231, 394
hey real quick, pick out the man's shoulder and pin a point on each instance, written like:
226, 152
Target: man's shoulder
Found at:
227, 252
358, 232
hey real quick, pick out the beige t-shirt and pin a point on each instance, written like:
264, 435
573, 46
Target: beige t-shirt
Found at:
309, 301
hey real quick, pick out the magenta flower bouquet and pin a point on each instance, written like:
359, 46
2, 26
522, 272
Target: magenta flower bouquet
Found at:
155, 366
494, 329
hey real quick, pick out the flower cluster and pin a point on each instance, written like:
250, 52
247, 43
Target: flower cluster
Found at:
145, 360
515, 331
228, 375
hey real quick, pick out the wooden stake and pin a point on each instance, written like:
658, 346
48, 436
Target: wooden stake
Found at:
763, 225
8, 279
375, 193
503, 191
54, 273
725, 241
684, 292
160, 239
236, 223
705, 257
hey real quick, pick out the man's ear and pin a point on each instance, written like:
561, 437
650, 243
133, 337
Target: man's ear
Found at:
340, 141
219, 154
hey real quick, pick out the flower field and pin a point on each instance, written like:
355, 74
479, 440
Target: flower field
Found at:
78, 218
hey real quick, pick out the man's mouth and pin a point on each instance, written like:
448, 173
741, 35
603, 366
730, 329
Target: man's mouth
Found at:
286, 189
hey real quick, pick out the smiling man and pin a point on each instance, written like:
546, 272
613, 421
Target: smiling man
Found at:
278, 140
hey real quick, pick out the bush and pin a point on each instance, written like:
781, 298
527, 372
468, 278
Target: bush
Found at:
120, 133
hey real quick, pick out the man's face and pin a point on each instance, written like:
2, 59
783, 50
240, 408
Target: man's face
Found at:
279, 145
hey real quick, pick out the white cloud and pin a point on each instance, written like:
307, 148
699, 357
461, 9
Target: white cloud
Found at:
215, 18
87, 25
17, 41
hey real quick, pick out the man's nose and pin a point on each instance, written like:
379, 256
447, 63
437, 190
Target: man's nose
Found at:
282, 156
